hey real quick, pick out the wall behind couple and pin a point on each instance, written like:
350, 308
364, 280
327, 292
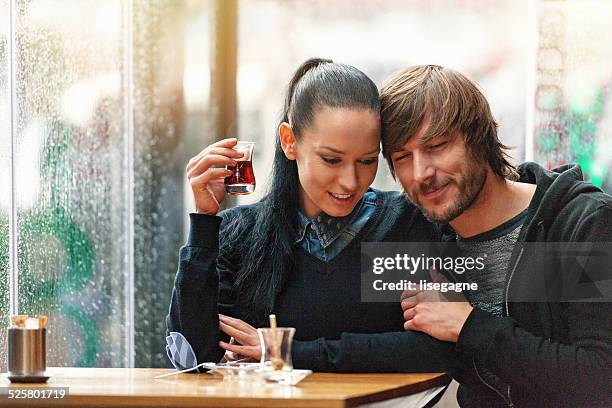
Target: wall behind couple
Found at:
103, 102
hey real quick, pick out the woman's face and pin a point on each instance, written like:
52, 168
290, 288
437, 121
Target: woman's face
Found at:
337, 158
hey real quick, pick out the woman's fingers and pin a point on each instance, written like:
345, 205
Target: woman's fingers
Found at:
207, 162
240, 324
218, 147
248, 351
243, 333
224, 151
240, 336
229, 142
209, 175
221, 151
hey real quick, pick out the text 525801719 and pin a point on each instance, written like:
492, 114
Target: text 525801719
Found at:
31, 393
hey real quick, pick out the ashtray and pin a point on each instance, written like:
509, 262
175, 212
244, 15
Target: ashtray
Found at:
231, 370
284, 377
253, 371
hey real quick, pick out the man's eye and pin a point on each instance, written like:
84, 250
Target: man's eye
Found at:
438, 145
330, 160
402, 156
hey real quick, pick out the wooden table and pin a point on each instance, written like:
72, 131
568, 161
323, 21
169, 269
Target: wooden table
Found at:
137, 387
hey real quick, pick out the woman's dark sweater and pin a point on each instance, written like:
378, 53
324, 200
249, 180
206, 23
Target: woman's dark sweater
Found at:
335, 330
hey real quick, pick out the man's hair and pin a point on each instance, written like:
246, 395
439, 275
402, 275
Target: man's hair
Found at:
452, 103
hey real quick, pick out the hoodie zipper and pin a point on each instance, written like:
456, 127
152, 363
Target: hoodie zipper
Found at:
509, 399
518, 259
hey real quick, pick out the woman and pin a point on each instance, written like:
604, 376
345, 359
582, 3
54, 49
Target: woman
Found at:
296, 253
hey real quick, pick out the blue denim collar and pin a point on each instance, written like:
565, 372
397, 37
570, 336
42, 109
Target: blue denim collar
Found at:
327, 228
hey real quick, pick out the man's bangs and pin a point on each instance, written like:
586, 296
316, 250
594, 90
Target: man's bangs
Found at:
439, 125
443, 111
406, 116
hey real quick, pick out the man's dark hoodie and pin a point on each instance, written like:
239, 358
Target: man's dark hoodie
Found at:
545, 354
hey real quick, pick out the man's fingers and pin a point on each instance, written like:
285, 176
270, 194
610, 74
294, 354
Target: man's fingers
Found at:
409, 314
409, 293
410, 302
437, 276
415, 323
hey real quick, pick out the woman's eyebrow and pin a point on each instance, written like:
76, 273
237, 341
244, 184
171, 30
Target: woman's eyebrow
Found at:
331, 149
377, 150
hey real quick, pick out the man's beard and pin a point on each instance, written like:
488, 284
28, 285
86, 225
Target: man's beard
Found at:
470, 186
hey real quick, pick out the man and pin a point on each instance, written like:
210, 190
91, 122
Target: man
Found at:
440, 141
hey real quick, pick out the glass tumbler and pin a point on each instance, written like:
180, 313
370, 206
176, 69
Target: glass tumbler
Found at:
242, 179
276, 348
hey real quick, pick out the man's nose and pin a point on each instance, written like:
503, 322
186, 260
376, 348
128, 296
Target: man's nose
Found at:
423, 168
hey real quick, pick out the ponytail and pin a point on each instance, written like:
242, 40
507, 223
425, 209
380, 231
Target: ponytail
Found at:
299, 73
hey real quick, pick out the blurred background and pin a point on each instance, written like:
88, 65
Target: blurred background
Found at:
103, 102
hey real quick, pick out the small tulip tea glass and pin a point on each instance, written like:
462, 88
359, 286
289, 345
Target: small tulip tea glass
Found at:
242, 179
276, 348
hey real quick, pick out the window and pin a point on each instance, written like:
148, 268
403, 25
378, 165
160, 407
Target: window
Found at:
103, 102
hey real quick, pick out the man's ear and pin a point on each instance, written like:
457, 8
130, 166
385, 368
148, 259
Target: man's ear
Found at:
287, 140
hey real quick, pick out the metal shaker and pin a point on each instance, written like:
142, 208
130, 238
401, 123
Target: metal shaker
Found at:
27, 359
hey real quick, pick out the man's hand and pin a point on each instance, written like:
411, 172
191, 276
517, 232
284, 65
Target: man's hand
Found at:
244, 334
431, 312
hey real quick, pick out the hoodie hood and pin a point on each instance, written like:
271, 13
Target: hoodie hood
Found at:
555, 189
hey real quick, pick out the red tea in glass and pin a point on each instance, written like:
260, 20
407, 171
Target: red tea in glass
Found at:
242, 179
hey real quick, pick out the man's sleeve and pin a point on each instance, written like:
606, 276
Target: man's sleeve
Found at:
575, 370
578, 371
394, 352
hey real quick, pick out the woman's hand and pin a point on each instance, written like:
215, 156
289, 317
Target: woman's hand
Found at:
244, 334
207, 181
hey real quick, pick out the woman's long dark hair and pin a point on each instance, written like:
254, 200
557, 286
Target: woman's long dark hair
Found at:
267, 249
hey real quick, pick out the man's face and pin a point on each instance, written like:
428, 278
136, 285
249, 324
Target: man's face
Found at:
440, 176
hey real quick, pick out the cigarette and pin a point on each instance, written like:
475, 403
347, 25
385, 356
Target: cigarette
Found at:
277, 361
273, 321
